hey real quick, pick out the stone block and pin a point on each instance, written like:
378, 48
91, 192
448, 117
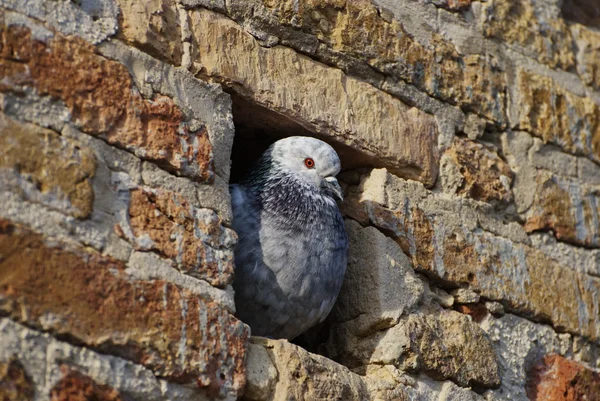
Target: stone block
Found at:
443, 239
361, 37
479, 172
56, 365
338, 107
534, 28
559, 379
445, 344
566, 207
43, 167
103, 100
379, 285
152, 26
92, 20
165, 222
521, 344
545, 109
72, 291
588, 54
301, 375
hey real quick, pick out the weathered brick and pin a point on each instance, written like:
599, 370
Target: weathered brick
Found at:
334, 105
484, 175
555, 378
588, 54
379, 285
103, 100
302, 375
443, 343
152, 26
194, 238
15, 384
44, 167
78, 293
75, 386
377, 319
47, 361
567, 208
534, 27
450, 345
519, 344
546, 110
358, 37
443, 239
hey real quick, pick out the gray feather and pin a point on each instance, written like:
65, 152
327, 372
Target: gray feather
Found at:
291, 254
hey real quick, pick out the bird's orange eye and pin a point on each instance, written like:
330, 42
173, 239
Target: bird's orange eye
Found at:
308, 162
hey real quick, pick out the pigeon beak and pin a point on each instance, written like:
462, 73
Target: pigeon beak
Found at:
331, 185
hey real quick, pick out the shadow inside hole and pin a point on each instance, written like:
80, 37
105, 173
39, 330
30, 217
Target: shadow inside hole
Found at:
257, 127
585, 12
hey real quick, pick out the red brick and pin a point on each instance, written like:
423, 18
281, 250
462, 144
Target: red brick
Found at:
175, 232
477, 311
75, 386
80, 294
555, 378
103, 100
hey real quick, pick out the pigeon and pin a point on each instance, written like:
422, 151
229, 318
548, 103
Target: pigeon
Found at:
292, 247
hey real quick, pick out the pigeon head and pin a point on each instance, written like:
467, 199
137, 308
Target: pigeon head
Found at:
310, 160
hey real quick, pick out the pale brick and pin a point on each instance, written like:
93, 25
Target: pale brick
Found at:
153, 26
165, 222
520, 344
45, 360
588, 54
566, 207
302, 375
379, 286
360, 37
545, 109
443, 343
338, 107
43, 167
534, 27
483, 175
443, 239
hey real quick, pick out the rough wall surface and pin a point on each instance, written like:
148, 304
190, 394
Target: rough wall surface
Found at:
469, 132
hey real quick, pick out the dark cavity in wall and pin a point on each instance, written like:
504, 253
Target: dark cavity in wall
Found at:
257, 127
586, 12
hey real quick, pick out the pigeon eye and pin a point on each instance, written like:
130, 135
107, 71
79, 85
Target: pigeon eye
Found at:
308, 162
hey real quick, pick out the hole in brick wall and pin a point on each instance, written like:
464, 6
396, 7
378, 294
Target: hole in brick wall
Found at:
256, 128
586, 12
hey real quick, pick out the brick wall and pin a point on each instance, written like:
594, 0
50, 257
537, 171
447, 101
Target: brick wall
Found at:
469, 132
